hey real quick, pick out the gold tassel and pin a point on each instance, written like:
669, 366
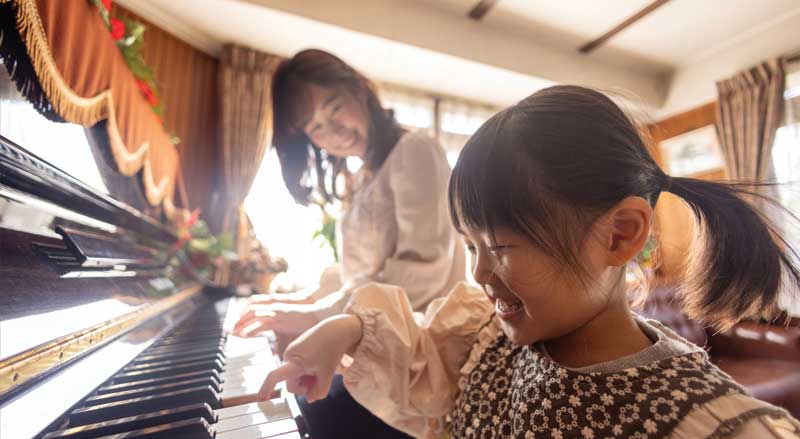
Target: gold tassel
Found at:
80, 110
70, 106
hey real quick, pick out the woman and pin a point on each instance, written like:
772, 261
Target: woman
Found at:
395, 228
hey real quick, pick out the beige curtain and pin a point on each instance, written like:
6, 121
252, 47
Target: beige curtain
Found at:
245, 129
749, 113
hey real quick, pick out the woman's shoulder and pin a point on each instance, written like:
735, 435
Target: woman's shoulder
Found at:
737, 416
416, 143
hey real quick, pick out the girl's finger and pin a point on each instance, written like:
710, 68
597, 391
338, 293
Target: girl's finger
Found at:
288, 371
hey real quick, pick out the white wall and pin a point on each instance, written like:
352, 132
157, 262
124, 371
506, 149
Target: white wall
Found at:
694, 84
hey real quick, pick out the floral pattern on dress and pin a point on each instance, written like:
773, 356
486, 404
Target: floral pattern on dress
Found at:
516, 392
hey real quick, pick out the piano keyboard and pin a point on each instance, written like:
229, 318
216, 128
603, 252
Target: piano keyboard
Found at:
195, 382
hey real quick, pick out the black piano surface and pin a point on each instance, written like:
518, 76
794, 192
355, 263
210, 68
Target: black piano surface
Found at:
99, 335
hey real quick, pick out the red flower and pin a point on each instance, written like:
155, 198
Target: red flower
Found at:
107, 4
152, 99
117, 29
193, 218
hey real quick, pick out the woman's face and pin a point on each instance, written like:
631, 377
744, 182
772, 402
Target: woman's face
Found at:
536, 297
338, 123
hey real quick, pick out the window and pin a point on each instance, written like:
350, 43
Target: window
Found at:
63, 145
457, 119
413, 110
786, 164
285, 227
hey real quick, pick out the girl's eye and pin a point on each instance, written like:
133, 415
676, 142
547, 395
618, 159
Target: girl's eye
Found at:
499, 249
471, 248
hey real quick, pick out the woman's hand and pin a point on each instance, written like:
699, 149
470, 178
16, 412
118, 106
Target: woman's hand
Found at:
284, 318
297, 298
313, 357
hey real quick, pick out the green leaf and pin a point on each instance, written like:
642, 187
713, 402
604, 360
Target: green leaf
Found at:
226, 240
203, 245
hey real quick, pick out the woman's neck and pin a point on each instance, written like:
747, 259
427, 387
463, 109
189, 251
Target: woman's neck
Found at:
611, 334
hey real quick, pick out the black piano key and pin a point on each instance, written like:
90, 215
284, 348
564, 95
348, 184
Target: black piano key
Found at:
145, 358
105, 398
136, 422
194, 333
184, 347
174, 361
145, 404
196, 428
214, 375
186, 340
167, 371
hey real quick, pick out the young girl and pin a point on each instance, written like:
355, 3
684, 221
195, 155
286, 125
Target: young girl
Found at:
554, 197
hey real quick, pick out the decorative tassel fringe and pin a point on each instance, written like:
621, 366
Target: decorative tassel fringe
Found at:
70, 106
15, 59
25, 52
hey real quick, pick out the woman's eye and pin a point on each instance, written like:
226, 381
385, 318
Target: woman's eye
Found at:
471, 248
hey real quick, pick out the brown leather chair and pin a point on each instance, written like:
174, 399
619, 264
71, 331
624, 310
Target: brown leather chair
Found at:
764, 358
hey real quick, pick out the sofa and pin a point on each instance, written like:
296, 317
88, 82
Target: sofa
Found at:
763, 357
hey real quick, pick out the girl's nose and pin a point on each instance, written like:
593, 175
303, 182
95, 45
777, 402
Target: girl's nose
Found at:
481, 268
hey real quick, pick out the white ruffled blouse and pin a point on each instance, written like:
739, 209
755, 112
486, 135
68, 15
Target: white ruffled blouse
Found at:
397, 230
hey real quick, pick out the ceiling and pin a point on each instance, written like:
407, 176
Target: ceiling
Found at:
677, 34
518, 47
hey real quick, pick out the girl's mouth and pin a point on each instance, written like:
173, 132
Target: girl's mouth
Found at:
509, 308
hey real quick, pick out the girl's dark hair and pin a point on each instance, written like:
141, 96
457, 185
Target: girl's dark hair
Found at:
291, 107
559, 159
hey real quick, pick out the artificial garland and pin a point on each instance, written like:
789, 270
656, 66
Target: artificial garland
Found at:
129, 36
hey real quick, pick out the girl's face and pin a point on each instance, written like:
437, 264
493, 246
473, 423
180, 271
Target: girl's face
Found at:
536, 297
338, 123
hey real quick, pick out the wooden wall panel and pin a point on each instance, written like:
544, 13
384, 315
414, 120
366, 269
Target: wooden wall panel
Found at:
187, 87
674, 220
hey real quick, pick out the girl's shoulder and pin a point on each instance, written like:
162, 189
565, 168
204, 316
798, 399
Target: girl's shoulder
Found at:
737, 416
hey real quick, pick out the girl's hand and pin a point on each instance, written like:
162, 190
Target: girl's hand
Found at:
313, 357
283, 318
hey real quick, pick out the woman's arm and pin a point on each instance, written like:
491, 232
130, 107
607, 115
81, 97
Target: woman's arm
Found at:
428, 246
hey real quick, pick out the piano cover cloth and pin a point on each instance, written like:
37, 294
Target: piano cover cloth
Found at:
86, 80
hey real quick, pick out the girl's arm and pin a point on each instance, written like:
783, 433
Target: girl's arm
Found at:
406, 365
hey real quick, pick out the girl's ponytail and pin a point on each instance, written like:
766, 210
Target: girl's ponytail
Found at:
734, 269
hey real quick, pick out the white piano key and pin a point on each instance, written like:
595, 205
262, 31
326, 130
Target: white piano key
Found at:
253, 414
272, 406
270, 430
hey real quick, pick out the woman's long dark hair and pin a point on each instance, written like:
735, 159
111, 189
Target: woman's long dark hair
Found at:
291, 104
550, 165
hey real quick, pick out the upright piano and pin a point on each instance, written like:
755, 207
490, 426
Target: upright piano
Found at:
101, 337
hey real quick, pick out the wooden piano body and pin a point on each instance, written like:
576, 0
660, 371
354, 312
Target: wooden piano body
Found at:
99, 337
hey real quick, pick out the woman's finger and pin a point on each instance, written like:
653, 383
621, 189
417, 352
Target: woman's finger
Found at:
247, 324
288, 371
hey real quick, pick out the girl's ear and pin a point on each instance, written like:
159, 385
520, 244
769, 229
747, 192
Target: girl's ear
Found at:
630, 222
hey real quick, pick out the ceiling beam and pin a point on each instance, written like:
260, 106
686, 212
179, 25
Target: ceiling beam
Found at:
481, 9
591, 45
